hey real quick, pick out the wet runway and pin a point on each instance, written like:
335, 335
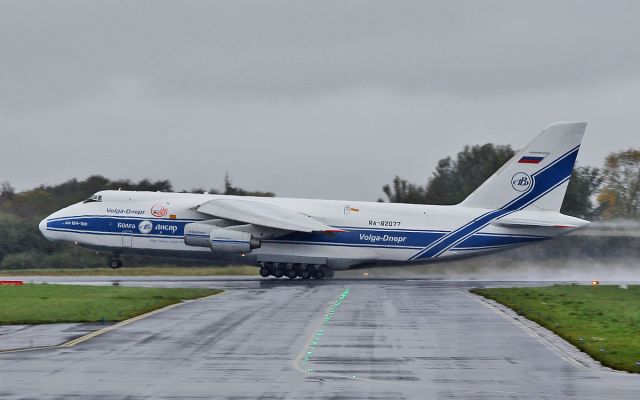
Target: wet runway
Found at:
335, 339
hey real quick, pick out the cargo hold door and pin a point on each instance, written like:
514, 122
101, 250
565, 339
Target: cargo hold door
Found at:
127, 239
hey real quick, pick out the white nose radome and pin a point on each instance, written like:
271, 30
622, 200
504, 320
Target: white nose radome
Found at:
43, 227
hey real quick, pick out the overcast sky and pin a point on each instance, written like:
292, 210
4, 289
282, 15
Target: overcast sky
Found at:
326, 99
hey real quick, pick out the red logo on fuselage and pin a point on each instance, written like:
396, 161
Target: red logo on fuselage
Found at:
159, 210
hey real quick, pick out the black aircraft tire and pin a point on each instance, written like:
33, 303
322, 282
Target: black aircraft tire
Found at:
292, 274
304, 274
115, 263
264, 272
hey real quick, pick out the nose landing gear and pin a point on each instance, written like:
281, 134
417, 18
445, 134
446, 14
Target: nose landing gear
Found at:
115, 262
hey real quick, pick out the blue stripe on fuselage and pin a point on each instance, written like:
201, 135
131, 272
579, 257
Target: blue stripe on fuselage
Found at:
101, 224
409, 239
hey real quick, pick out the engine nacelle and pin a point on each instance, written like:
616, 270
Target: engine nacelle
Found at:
219, 239
228, 241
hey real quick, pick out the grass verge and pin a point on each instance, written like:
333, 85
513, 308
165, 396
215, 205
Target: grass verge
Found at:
603, 321
135, 271
43, 303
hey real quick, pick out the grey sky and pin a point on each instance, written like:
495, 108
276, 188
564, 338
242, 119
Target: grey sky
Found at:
308, 99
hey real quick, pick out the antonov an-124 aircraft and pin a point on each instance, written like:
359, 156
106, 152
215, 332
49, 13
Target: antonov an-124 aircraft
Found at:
518, 205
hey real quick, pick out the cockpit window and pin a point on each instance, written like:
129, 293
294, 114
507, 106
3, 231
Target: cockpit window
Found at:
93, 199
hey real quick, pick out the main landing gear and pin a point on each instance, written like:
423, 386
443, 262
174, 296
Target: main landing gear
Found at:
292, 271
115, 262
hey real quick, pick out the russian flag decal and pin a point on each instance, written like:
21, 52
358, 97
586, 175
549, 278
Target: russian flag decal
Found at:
532, 157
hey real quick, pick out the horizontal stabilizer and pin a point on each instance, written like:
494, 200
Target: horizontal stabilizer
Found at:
539, 219
523, 223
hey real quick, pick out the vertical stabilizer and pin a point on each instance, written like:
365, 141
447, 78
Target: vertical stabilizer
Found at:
537, 177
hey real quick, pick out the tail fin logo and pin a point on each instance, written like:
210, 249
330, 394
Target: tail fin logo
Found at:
521, 182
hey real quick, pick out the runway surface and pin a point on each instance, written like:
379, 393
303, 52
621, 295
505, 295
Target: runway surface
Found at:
335, 339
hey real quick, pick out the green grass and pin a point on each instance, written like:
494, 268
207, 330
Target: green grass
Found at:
135, 271
43, 303
603, 321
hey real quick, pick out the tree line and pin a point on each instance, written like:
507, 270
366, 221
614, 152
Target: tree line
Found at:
609, 192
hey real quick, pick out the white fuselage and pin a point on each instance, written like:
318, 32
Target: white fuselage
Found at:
379, 233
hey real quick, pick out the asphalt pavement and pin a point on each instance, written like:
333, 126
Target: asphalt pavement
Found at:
334, 339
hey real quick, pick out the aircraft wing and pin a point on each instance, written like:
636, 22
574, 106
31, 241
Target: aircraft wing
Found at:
263, 214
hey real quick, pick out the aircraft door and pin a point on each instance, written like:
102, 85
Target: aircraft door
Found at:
127, 239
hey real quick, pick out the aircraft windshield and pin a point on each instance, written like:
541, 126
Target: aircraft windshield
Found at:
93, 198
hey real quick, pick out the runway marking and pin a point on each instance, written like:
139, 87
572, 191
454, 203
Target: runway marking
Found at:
106, 329
541, 339
307, 352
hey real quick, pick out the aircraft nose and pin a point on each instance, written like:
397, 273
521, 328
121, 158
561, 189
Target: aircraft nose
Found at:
43, 227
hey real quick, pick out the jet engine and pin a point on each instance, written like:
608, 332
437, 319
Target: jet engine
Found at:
219, 239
